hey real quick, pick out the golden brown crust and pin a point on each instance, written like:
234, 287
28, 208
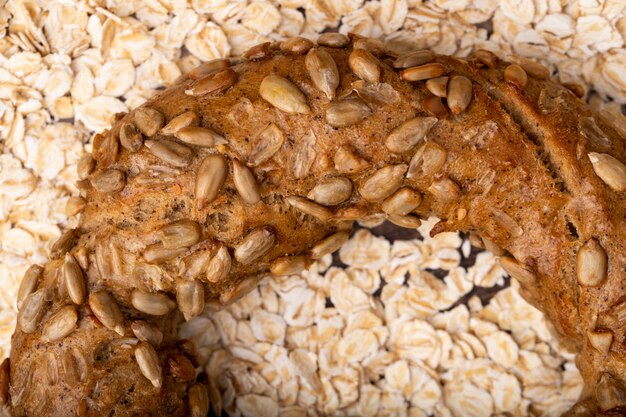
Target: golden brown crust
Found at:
510, 163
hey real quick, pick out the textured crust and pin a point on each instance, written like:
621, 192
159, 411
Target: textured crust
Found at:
517, 172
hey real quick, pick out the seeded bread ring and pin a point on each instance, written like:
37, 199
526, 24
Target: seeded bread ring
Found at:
260, 165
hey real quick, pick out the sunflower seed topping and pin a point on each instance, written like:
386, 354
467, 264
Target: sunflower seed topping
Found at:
347, 112
408, 221
213, 83
434, 106
256, 244
514, 74
460, 92
85, 166
309, 207
288, 265
147, 332
239, 290
245, 183
258, 52
148, 120
404, 137
63, 244
156, 254
323, 71
329, 244
62, 323
402, 202
365, 65
209, 179
486, 58
190, 297
130, 137
346, 161
74, 279
531, 67
383, 183
427, 161
297, 45
219, 266
601, 340
74, 205
105, 308
332, 191
283, 94
200, 136
333, 40
198, 400
105, 149
438, 86
188, 118
181, 367
414, 59
180, 234
31, 311
210, 67
155, 304
610, 170
423, 72
29, 282
149, 363
591, 264
109, 181
173, 153
267, 144
445, 189
516, 270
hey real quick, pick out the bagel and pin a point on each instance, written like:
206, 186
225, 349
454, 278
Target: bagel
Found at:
260, 165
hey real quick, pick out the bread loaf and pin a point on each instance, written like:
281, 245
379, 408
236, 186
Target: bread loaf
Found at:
261, 164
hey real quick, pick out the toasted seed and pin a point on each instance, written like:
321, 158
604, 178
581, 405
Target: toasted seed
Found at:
532, 68
198, 400
105, 308
414, 59
180, 234
190, 297
173, 153
577, 89
304, 153
323, 71
609, 169
181, 367
427, 161
109, 181
444, 189
506, 222
63, 244
149, 363
32, 309
240, 289
210, 67
74, 367
74, 279
147, 332
245, 183
259, 51
51, 367
4, 381
62, 323
374, 46
267, 144
487, 58
256, 244
148, 120
438, 86
283, 94
404, 137
517, 270
331, 191
297, 45
288, 265
74, 205
347, 161
460, 91
309, 207
29, 282
105, 149
130, 137
408, 221
196, 263
347, 112
213, 83
365, 65
156, 254
376, 94
155, 304
333, 40
591, 264
188, 118
515, 75
85, 166
601, 340
402, 202
209, 179
434, 106
329, 244
219, 267
383, 183
423, 72
200, 136
493, 247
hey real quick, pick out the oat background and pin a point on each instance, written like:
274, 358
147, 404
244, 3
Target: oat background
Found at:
376, 337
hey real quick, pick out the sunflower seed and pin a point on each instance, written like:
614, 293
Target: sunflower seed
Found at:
190, 297
210, 67
517, 270
438, 86
609, 169
332, 191
486, 58
171, 152
148, 120
601, 340
258, 52
267, 144
200, 136
377, 94
51, 368
188, 118
181, 367
408, 221
155, 304
323, 71
514, 74
74, 205
506, 222
591, 264
74, 367
329, 244
180, 234
304, 155
414, 59
209, 179
213, 83
32, 309
532, 68
219, 267
309, 207
198, 400
4, 381
105, 149
29, 282
74, 279
375, 46
577, 89
423, 72
297, 45
460, 91
434, 106
63, 244
404, 137
149, 363
347, 112
288, 265
130, 137
382, 183
346, 161
105, 308
256, 244
109, 181
493, 247
156, 254
445, 189
427, 161
196, 263
365, 65
240, 289
245, 183
283, 94
333, 40
402, 202
147, 332
62, 323
85, 166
